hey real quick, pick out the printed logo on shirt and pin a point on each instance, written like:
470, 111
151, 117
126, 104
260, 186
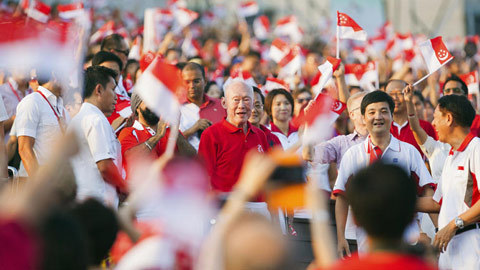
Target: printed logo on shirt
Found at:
460, 168
395, 160
259, 148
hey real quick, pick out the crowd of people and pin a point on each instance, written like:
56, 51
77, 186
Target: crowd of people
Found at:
98, 179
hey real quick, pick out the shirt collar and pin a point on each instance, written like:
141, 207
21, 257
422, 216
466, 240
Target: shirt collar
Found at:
291, 128
207, 100
92, 108
138, 126
233, 129
464, 144
51, 97
400, 126
394, 144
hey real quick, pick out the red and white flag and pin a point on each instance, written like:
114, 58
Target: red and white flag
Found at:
183, 18
221, 53
435, 54
70, 11
398, 44
39, 11
248, 9
159, 87
136, 50
239, 75
320, 118
359, 53
363, 75
349, 29
107, 29
471, 80
48, 48
261, 27
290, 64
288, 26
176, 4
274, 83
279, 50
191, 47
325, 73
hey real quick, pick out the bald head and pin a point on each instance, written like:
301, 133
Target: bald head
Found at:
238, 102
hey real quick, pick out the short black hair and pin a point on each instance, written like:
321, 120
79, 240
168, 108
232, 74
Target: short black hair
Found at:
112, 42
194, 66
96, 75
383, 199
271, 95
258, 91
460, 107
419, 95
100, 225
455, 78
374, 97
103, 56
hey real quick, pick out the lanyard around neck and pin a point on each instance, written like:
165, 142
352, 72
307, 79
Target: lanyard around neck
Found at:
51, 107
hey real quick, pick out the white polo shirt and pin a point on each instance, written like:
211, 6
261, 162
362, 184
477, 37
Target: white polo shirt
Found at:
97, 142
436, 152
397, 153
458, 189
35, 118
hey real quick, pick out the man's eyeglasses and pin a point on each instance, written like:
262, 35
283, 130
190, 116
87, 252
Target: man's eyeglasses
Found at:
456, 90
302, 100
126, 52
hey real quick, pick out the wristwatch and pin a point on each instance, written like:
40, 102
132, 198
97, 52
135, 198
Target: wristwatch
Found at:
459, 223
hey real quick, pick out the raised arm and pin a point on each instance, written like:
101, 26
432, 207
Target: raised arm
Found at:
418, 132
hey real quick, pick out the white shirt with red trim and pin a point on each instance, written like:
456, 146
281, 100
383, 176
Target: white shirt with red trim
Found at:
458, 189
287, 141
397, 153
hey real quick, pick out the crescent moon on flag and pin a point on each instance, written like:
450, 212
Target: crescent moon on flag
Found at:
445, 56
337, 106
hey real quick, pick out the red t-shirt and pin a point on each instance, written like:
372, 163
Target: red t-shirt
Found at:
223, 147
132, 136
406, 134
212, 110
382, 261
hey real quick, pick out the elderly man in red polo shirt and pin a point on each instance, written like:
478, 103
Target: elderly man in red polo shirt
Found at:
223, 145
200, 111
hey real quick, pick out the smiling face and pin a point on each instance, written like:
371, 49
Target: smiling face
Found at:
238, 102
441, 124
378, 118
281, 109
394, 89
257, 110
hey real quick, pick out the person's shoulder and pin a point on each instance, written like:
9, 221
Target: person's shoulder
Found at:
30, 99
125, 132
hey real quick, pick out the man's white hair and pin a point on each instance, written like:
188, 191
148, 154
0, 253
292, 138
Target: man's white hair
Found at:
237, 83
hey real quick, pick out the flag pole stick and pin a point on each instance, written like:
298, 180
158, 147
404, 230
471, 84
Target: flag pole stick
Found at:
338, 43
424, 77
172, 139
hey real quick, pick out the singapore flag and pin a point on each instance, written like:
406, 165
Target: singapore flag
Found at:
435, 53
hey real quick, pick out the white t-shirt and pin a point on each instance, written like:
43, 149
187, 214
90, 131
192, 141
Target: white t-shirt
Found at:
35, 118
97, 142
190, 114
397, 153
458, 189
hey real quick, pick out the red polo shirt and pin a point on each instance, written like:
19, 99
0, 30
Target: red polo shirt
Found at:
212, 110
406, 135
223, 147
272, 140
